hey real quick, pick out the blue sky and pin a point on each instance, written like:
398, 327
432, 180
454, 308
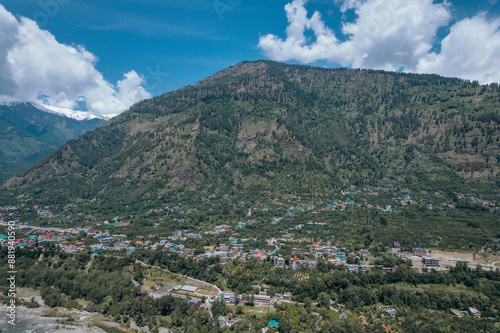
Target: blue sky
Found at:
155, 46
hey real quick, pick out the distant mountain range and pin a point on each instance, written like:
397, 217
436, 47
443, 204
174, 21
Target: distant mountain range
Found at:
266, 127
29, 131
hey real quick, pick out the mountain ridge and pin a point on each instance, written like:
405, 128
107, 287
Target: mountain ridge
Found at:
270, 126
29, 133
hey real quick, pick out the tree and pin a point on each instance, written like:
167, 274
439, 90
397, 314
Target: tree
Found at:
324, 300
219, 308
307, 302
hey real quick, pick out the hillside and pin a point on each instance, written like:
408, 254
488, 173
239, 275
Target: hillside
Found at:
28, 133
266, 126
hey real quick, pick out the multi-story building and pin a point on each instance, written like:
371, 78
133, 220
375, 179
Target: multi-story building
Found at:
430, 262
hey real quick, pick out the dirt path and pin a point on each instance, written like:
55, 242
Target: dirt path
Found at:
474, 258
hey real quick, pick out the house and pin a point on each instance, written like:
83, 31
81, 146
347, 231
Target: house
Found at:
195, 236
474, 312
188, 252
389, 269
260, 257
229, 297
458, 313
420, 252
389, 310
194, 304
279, 261
262, 299
222, 321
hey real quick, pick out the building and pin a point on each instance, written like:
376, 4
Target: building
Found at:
194, 304
458, 313
295, 263
430, 262
279, 261
389, 269
474, 312
195, 236
262, 299
222, 321
420, 252
190, 289
229, 297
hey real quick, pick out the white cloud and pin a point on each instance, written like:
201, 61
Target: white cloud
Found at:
35, 67
391, 34
470, 51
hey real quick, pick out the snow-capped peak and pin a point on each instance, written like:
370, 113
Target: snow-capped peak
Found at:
78, 115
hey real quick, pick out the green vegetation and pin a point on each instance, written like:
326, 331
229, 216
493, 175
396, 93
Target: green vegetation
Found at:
108, 329
286, 156
266, 126
28, 134
422, 300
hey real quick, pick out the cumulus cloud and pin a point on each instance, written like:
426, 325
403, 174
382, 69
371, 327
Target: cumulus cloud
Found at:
34, 66
390, 35
471, 51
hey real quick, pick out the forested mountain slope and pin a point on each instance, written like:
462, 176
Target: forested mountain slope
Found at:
261, 127
28, 134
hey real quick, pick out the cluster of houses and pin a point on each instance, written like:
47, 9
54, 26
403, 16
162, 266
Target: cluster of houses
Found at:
40, 237
166, 245
479, 200
332, 253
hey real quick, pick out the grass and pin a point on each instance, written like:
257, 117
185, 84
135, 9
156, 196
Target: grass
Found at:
252, 309
82, 302
153, 275
108, 329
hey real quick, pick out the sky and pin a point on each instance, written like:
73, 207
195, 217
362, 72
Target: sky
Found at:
104, 56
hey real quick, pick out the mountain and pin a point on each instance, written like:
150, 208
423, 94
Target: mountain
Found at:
28, 132
77, 115
263, 127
